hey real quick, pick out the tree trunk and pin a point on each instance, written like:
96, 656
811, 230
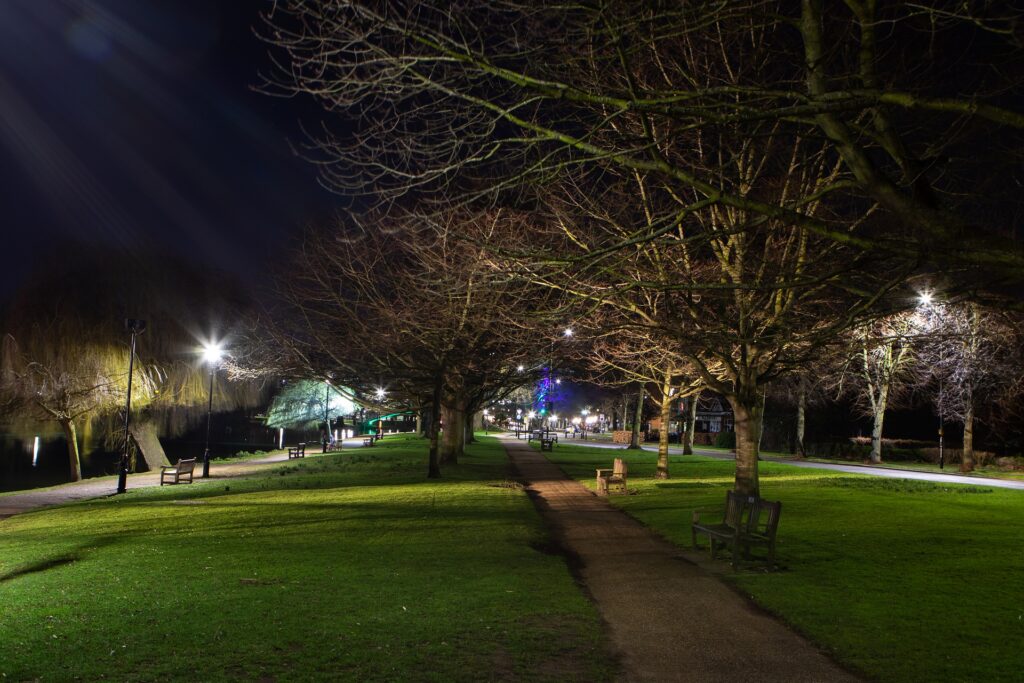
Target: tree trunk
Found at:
801, 418
71, 436
145, 436
691, 423
433, 459
967, 461
634, 438
666, 405
470, 437
876, 432
419, 423
746, 411
453, 438
760, 423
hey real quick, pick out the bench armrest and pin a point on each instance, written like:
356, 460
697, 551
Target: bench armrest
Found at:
604, 472
167, 467
697, 515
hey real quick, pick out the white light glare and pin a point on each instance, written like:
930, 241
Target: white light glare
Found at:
925, 298
212, 353
568, 332
520, 368
380, 394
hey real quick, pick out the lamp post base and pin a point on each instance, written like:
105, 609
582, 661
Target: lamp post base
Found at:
206, 464
122, 476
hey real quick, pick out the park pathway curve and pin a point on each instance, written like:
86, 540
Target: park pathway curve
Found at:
101, 487
667, 619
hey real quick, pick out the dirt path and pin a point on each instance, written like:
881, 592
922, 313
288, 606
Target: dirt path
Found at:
668, 619
105, 486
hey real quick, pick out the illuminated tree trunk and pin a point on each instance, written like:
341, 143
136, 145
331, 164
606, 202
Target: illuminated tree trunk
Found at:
746, 409
71, 436
691, 424
144, 433
801, 418
967, 461
634, 437
876, 429
666, 405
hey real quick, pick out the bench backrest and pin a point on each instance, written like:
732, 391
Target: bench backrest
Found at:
186, 466
752, 514
737, 508
619, 468
764, 517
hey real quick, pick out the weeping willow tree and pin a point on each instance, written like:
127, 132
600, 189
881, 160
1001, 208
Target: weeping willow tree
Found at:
66, 355
307, 403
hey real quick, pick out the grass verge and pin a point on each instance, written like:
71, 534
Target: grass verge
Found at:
347, 566
902, 580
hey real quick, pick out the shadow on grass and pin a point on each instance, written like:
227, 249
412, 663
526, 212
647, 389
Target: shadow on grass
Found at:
58, 561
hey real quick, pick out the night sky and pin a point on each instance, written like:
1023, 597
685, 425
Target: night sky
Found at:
133, 123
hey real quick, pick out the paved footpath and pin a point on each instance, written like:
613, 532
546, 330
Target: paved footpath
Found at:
949, 477
668, 619
100, 487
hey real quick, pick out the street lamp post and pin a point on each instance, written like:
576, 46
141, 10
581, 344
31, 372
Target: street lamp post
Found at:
211, 355
136, 327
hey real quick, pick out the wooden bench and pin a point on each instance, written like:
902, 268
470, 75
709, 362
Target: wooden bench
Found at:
616, 476
174, 474
297, 451
748, 521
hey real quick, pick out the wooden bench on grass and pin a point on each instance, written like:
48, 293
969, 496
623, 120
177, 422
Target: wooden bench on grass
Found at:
175, 474
616, 476
298, 451
748, 521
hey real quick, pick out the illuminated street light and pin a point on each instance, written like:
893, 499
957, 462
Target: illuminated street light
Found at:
381, 394
212, 353
925, 298
568, 332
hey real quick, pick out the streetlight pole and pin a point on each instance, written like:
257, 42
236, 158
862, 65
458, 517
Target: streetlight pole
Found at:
211, 354
209, 418
136, 327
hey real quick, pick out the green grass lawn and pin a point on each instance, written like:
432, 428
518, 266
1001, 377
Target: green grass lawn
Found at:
350, 566
902, 580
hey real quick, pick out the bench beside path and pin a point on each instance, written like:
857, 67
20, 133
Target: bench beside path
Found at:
101, 487
667, 619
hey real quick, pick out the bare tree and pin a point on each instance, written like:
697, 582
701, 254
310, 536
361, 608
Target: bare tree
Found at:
403, 307
876, 369
970, 355
618, 356
467, 100
707, 177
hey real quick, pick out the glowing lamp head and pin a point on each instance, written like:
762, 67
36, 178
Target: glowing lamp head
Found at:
520, 368
212, 353
380, 394
567, 332
925, 298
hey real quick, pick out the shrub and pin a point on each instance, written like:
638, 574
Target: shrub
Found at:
726, 440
